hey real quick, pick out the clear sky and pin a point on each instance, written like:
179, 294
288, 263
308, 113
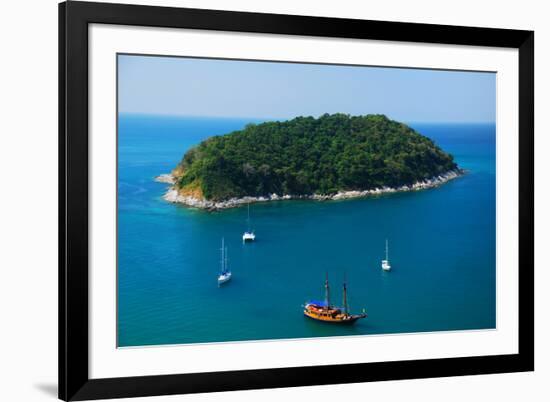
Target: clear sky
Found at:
227, 88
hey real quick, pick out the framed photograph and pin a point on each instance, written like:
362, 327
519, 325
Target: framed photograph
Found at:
257, 201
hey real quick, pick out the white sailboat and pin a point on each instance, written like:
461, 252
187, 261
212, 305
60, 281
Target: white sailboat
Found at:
386, 263
225, 273
248, 235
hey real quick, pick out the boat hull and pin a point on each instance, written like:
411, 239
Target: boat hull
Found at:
249, 237
337, 318
348, 321
224, 279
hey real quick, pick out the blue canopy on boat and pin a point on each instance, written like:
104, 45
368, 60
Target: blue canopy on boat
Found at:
321, 303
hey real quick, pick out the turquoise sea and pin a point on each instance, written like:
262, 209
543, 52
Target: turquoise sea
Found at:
442, 249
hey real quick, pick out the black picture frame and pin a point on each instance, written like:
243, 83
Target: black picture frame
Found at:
74, 381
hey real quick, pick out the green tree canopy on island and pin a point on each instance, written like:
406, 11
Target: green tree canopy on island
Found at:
306, 156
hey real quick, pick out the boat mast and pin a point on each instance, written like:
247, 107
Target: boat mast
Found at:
327, 291
345, 293
248, 218
225, 265
223, 257
387, 250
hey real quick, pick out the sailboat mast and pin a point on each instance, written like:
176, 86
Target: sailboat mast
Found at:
225, 265
345, 293
248, 218
327, 291
387, 250
223, 256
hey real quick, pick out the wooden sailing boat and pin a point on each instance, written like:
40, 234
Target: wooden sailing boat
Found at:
225, 273
325, 312
248, 235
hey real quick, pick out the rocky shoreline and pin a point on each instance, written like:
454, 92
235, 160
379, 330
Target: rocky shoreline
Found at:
173, 196
166, 178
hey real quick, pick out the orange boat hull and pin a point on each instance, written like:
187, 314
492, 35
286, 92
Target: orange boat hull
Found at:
332, 316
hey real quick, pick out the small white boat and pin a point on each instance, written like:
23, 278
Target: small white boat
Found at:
224, 277
386, 263
225, 273
248, 235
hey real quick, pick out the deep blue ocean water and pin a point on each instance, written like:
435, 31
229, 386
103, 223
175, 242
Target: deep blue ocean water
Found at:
442, 248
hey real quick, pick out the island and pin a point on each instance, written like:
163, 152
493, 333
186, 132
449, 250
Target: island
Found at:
335, 156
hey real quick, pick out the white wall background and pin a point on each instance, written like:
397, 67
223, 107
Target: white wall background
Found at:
28, 198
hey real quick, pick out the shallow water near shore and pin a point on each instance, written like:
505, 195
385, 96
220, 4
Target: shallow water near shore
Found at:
442, 249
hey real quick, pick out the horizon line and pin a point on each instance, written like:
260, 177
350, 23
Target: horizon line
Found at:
267, 119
